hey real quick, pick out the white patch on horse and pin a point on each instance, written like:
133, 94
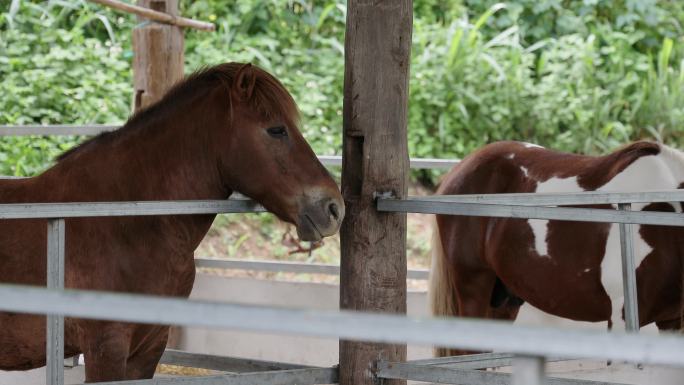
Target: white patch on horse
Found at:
675, 161
539, 229
510, 156
648, 172
540, 226
611, 271
531, 145
525, 171
568, 185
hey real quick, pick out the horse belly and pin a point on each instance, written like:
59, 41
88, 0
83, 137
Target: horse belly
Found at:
22, 261
23, 251
561, 278
529, 315
558, 297
22, 341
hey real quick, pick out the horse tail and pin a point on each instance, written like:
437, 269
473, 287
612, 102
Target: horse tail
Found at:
441, 291
681, 300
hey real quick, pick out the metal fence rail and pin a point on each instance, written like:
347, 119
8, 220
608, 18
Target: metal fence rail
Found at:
560, 199
118, 209
415, 163
463, 334
457, 333
309, 376
224, 364
455, 375
54, 363
474, 361
463, 369
287, 267
57, 129
448, 207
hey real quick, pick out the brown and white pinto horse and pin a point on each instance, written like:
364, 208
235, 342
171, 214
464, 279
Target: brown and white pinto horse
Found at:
231, 127
487, 267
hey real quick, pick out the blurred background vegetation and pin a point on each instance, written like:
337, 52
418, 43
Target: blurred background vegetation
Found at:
577, 75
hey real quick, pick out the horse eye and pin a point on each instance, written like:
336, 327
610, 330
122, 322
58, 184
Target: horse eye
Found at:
277, 132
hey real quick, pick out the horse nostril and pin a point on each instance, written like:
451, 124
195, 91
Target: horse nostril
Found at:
334, 210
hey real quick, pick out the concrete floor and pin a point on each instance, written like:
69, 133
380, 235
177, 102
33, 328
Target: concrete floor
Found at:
72, 376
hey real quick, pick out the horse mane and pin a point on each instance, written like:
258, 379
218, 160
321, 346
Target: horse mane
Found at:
269, 98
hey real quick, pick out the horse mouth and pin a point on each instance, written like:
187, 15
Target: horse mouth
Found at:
307, 230
317, 235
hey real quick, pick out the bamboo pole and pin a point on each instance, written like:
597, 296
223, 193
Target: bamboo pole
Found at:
157, 16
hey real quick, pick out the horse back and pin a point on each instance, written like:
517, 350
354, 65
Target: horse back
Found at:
516, 167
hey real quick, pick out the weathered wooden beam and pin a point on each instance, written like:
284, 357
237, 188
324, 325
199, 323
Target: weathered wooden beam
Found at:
156, 15
373, 248
158, 55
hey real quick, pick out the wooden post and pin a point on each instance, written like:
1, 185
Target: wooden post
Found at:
373, 265
158, 54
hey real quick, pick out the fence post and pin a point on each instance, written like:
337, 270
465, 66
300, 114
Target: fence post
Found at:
629, 273
54, 348
158, 54
373, 244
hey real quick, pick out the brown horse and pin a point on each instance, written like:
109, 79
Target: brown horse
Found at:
487, 267
231, 127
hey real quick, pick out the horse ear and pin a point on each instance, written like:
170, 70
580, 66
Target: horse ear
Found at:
245, 79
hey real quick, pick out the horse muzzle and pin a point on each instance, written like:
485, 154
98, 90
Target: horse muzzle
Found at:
320, 218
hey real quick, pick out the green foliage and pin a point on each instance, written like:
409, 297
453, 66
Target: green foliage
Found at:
576, 92
300, 42
661, 112
582, 76
57, 69
651, 20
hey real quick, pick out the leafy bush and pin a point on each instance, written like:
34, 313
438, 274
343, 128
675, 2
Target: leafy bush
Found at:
582, 93
53, 73
651, 20
581, 76
300, 43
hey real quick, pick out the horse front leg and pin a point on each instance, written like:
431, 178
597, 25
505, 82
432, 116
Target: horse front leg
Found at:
106, 347
149, 342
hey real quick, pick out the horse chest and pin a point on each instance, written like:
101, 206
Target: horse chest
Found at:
129, 255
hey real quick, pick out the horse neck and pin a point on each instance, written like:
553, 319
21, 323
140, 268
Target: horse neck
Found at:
169, 158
